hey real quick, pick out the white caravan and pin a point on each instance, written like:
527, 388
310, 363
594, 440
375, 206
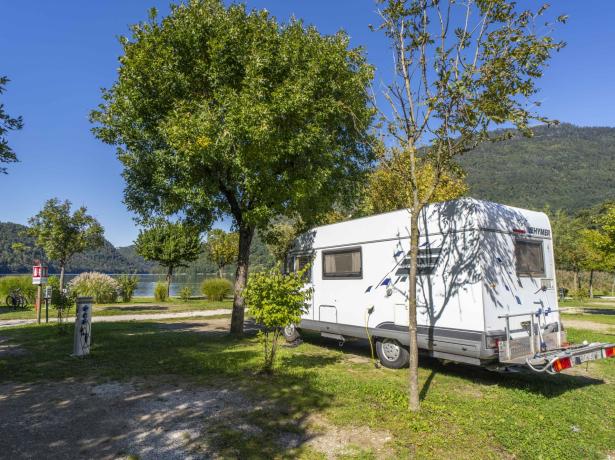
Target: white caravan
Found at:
486, 289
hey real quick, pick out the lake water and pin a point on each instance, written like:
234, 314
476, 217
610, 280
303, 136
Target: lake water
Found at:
148, 281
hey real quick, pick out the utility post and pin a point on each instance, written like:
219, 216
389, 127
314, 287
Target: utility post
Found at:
39, 278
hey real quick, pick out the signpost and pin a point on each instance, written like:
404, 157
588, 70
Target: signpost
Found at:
83, 326
39, 278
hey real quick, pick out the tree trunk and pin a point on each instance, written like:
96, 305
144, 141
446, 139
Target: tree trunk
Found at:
575, 281
241, 278
591, 284
61, 277
169, 278
220, 272
413, 377
613, 286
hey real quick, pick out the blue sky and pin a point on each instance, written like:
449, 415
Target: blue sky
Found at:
59, 54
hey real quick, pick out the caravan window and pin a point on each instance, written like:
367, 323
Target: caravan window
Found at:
530, 258
343, 263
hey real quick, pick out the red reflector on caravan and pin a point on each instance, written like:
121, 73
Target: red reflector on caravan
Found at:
609, 352
519, 231
561, 364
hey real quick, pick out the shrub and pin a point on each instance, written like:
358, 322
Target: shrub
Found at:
275, 301
185, 293
101, 287
60, 300
128, 284
160, 291
216, 288
580, 294
23, 282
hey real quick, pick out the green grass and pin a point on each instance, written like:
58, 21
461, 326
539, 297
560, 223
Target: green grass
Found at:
466, 412
604, 319
139, 305
603, 304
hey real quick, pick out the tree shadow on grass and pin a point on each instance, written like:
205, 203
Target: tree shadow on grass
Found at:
543, 384
134, 308
152, 392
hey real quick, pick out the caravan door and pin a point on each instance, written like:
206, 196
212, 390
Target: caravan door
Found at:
298, 263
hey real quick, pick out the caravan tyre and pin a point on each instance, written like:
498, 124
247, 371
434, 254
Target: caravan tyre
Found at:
290, 333
392, 354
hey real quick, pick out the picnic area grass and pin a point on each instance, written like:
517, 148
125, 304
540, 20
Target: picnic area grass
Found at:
466, 412
138, 305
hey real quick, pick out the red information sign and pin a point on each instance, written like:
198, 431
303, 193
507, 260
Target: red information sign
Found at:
39, 274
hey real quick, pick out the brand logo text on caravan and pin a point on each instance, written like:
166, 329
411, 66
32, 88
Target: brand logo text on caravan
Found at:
539, 231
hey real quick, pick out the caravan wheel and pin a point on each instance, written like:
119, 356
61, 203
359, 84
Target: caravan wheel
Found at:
290, 333
392, 354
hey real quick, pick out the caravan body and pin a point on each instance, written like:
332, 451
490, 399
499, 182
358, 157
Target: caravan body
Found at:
480, 264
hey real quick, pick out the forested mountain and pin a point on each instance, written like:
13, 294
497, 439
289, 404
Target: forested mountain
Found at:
105, 259
564, 167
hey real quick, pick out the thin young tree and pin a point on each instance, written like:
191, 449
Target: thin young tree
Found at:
461, 68
7, 123
62, 234
221, 248
220, 111
171, 244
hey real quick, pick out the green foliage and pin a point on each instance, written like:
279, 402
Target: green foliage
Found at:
59, 299
170, 244
222, 248
216, 288
280, 237
128, 284
24, 283
62, 234
161, 292
101, 287
185, 294
7, 123
579, 293
275, 301
270, 118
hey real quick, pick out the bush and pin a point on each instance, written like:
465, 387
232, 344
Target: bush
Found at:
185, 293
59, 300
216, 288
101, 287
275, 301
160, 291
128, 284
580, 294
24, 282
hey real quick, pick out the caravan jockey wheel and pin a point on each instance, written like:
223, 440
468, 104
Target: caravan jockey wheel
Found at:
392, 354
290, 333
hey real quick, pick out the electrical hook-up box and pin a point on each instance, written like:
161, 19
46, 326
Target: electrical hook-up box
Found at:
83, 326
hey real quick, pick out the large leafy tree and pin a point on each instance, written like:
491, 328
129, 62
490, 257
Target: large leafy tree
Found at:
7, 123
63, 234
224, 111
461, 68
171, 244
221, 248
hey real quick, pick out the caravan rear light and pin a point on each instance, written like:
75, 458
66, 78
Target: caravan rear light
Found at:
561, 364
519, 231
609, 352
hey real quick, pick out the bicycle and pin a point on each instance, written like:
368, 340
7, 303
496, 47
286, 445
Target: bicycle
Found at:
17, 299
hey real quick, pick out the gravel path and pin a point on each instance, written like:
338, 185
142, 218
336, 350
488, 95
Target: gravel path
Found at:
137, 317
